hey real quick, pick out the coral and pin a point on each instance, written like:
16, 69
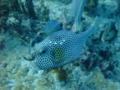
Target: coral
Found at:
3, 87
41, 87
98, 81
61, 75
110, 34
4, 7
18, 87
30, 9
97, 69
43, 83
22, 72
92, 3
62, 1
109, 7
91, 6
25, 83
3, 76
2, 44
20, 18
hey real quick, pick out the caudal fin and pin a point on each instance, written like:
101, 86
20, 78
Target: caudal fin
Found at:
93, 28
76, 13
77, 9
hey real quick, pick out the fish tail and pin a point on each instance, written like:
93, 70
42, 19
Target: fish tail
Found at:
77, 10
93, 28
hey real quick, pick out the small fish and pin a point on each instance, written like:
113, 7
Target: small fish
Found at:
61, 48
49, 28
52, 26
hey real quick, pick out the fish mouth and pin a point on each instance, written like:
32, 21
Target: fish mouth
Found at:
30, 57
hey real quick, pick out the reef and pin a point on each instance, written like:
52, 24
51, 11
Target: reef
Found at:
23, 21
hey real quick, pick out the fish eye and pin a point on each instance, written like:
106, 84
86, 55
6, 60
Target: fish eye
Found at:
61, 25
43, 51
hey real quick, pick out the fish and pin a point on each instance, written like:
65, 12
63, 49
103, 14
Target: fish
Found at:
61, 47
52, 26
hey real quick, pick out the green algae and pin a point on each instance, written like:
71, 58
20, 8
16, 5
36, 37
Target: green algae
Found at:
61, 75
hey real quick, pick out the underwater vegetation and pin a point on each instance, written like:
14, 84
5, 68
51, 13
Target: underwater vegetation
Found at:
75, 50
